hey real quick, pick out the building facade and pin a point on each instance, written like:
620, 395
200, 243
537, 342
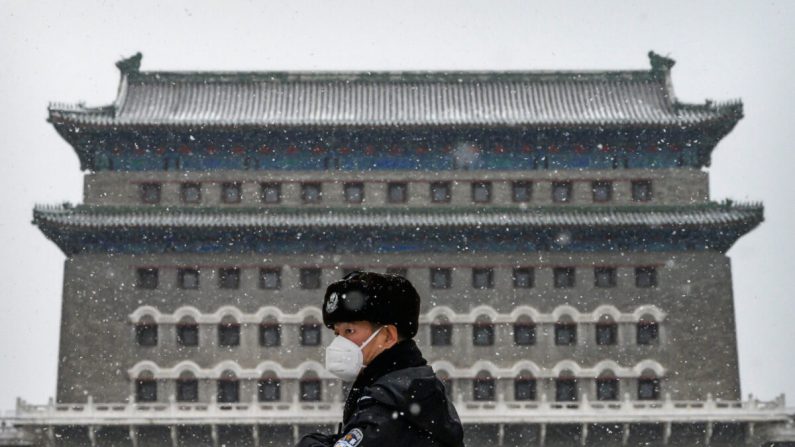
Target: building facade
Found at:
558, 226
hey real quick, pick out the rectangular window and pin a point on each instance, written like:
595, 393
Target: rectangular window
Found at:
648, 389
147, 278
188, 390
483, 334
191, 192
647, 332
310, 334
188, 278
565, 390
271, 193
231, 192
270, 278
524, 389
440, 192
146, 334
354, 192
397, 192
229, 334
563, 277
483, 278
524, 334
229, 278
440, 278
400, 271
641, 190
607, 389
561, 192
522, 191
188, 334
149, 192
565, 334
481, 192
604, 277
441, 334
310, 278
310, 390
269, 390
228, 391
602, 191
606, 334
645, 277
270, 335
523, 277
483, 389
311, 192
145, 390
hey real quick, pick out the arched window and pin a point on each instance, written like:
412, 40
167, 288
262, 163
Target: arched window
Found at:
607, 386
187, 332
606, 331
447, 381
146, 331
483, 331
524, 386
648, 385
269, 387
270, 333
229, 332
566, 387
441, 332
483, 386
524, 331
146, 387
228, 388
310, 333
647, 330
311, 388
187, 387
565, 331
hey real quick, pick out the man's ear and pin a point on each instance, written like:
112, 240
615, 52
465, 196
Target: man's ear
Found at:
392, 334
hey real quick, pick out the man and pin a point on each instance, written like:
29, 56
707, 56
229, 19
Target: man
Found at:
396, 399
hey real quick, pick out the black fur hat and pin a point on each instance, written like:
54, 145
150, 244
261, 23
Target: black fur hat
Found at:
374, 297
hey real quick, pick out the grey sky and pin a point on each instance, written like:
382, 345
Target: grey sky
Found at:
65, 51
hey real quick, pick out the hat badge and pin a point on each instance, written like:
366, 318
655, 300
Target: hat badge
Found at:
333, 300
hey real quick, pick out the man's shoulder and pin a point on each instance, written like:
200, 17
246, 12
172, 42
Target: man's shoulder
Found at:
398, 388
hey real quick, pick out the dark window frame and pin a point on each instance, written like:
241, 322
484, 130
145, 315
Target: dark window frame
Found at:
229, 278
265, 188
306, 198
484, 389
529, 272
447, 272
146, 390
571, 384
606, 327
183, 339
524, 327
229, 334
264, 271
348, 186
228, 395
150, 193
184, 190
264, 329
607, 388
489, 272
610, 273
519, 185
396, 186
650, 272
229, 186
485, 186
525, 389
146, 334
654, 382
446, 187
568, 272
647, 332
561, 326
266, 384
484, 327
642, 190
182, 272
568, 186
310, 278
304, 396
596, 187
188, 386
441, 334
306, 330
147, 278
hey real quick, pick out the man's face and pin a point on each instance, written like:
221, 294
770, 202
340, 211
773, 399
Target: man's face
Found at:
358, 332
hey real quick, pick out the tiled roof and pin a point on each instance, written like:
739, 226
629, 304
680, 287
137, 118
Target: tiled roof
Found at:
104, 217
608, 98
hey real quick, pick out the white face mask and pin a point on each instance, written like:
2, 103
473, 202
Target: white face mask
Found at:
344, 358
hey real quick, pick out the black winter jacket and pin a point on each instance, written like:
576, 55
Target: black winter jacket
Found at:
397, 400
